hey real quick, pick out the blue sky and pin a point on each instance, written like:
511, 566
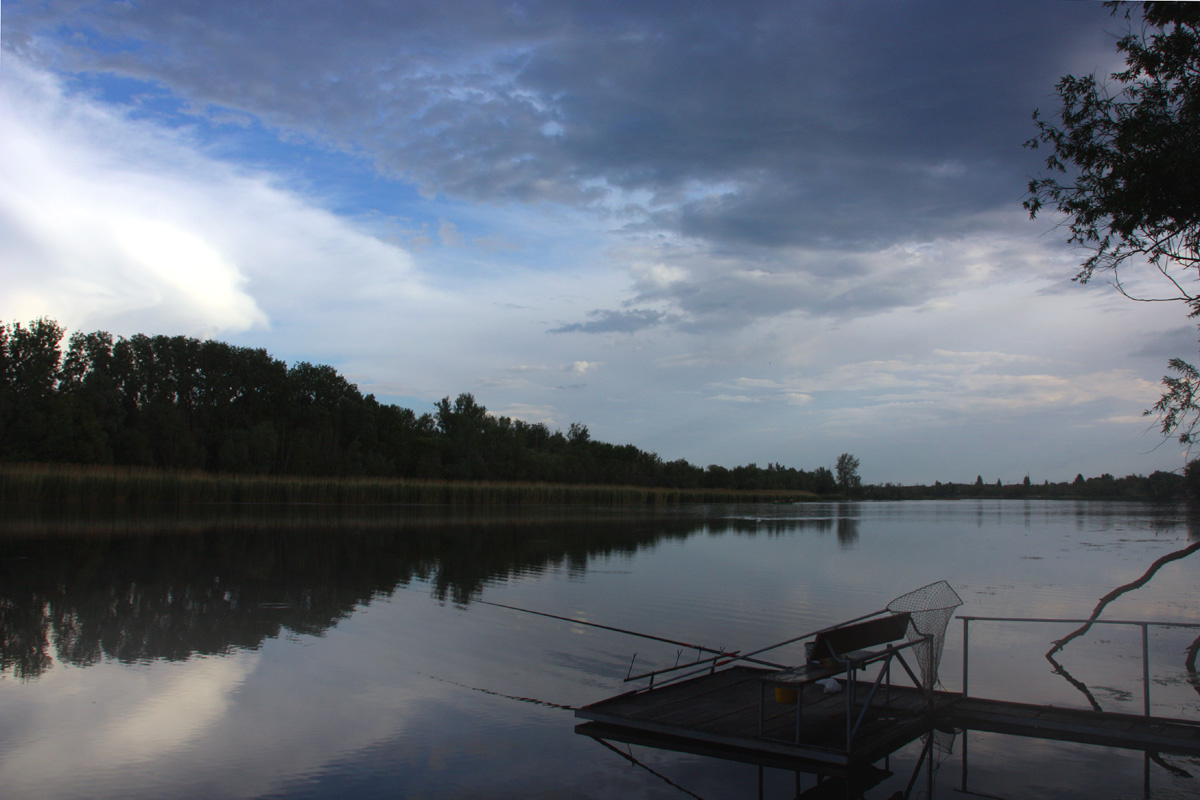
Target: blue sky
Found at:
764, 232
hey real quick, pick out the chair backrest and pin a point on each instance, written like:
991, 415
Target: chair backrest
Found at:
860, 636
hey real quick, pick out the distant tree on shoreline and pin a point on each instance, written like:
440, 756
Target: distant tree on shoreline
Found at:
848, 480
1157, 487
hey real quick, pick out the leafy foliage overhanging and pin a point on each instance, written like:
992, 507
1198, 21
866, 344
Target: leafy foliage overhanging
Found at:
1124, 171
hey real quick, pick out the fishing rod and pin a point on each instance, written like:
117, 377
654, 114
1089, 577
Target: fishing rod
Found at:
627, 632
605, 627
532, 700
750, 656
629, 757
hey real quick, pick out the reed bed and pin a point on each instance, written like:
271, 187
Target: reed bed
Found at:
71, 484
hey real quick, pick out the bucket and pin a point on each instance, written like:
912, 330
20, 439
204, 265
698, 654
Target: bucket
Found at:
785, 695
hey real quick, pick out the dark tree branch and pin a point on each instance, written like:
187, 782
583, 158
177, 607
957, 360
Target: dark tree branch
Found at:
1120, 590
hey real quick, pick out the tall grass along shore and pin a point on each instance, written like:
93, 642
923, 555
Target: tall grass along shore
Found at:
60, 484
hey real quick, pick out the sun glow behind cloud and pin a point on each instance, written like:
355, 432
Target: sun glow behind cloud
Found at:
114, 222
183, 261
88, 235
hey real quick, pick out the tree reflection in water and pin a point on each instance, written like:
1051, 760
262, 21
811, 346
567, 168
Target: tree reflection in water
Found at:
1059, 644
146, 588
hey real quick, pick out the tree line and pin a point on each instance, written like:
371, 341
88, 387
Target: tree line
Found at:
179, 403
1159, 486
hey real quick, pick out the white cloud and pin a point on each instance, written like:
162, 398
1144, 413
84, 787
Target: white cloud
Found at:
179, 260
112, 222
658, 276
545, 415
87, 233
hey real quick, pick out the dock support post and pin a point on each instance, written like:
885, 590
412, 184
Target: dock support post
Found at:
966, 652
1146, 668
966, 734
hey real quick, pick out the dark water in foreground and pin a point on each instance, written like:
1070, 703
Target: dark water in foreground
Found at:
303, 654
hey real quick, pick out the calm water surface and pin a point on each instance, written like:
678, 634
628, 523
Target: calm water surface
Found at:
236, 653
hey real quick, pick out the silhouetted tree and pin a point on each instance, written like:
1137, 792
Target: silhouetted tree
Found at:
848, 481
36, 422
1124, 170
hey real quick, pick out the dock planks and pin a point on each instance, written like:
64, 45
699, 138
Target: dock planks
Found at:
723, 709
1110, 729
718, 713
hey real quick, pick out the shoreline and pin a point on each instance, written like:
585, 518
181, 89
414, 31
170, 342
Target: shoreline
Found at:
131, 486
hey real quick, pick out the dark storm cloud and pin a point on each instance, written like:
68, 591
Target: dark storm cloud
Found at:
602, 321
749, 129
1169, 344
825, 104
723, 298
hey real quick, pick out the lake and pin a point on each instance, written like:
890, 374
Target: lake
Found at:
306, 652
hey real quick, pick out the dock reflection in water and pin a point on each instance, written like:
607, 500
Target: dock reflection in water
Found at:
936, 764
810, 780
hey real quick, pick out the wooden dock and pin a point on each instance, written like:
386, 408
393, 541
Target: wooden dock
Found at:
1106, 728
718, 714
721, 711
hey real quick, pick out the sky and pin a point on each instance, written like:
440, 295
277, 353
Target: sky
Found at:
765, 232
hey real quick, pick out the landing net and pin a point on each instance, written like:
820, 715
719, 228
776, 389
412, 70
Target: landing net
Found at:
930, 609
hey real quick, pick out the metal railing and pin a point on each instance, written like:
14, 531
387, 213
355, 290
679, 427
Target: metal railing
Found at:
1145, 625
726, 658
850, 666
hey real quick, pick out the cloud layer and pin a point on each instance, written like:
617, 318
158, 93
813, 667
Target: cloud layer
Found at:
769, 232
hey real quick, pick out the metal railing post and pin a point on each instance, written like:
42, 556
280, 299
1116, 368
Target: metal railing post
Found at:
966, 652
1146, 668
1141, 623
